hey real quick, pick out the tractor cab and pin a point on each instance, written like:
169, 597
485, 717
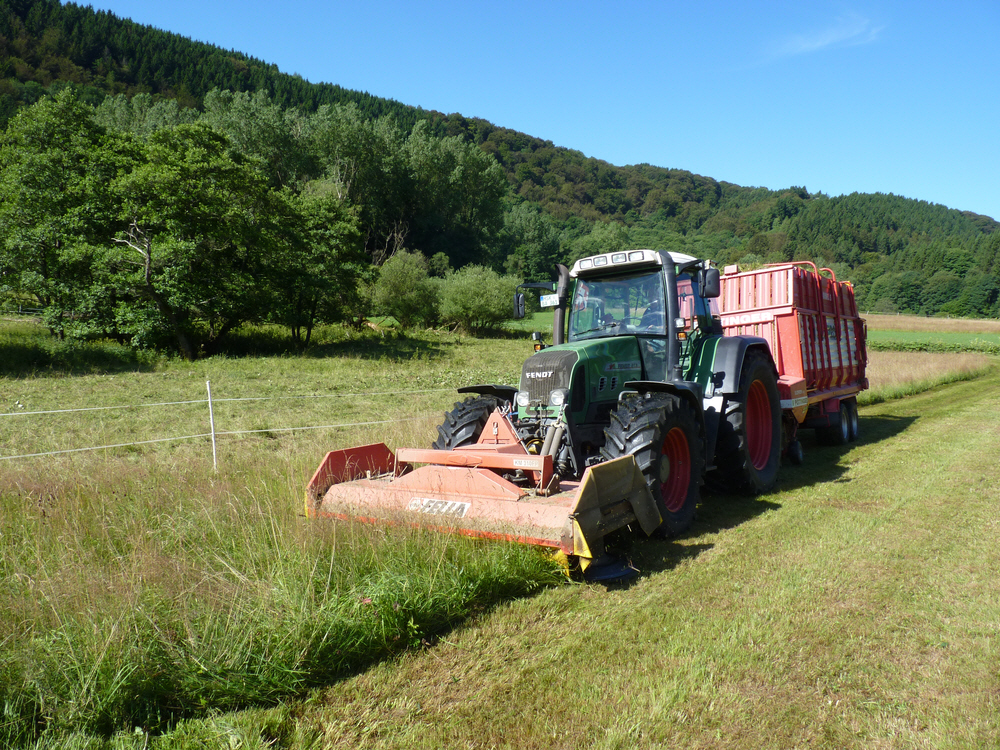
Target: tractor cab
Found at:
656, 297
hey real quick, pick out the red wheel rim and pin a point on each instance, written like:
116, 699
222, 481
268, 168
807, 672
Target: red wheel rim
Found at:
758, 425
677, 456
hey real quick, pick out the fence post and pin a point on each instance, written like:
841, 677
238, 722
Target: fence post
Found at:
211, 421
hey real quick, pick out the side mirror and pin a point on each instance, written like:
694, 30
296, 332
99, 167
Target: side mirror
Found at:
708, 280
519, 306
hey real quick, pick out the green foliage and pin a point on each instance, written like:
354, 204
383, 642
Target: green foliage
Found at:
457, 197
439, 265
261, 131
55, 167
450, 186
750, 262
196, 227
50, 43
163, 232
478, 299
141, 115
530, 243
319, 276
405, 291
605, 237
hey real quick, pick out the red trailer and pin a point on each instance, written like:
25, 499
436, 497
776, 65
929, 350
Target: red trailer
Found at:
816, 337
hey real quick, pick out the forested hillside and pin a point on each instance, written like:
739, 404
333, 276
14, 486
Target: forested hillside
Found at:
361, 178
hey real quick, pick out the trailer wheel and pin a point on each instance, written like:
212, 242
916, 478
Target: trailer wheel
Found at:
464, 424
748, 448
662, 431
840, 433
853, 428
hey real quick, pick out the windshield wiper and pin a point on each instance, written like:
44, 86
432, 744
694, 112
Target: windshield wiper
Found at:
599, 328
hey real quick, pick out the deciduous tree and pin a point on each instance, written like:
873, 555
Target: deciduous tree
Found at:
196, 231
56, 165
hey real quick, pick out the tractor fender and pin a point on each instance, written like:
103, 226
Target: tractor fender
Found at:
503, 392
729, 355
687, 390
708, 422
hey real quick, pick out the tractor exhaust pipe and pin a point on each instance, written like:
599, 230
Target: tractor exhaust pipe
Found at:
562, 291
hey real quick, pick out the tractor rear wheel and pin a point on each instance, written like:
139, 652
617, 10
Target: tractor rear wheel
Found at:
748, 448
464, 424
664, 435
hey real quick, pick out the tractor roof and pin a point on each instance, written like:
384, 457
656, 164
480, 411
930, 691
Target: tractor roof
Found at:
626, 260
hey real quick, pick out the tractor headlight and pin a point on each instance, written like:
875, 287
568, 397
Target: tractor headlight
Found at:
558, 397
522, 398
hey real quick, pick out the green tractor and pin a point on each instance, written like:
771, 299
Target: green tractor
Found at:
639, 366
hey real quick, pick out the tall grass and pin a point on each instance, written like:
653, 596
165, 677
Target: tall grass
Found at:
912, 333
898, 374
125, 610
932, 325
139, 587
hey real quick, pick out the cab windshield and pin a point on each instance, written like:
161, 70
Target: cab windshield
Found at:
630, 304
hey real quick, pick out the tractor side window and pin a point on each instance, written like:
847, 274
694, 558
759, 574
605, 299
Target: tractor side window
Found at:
588, 309
686, 300
692, 306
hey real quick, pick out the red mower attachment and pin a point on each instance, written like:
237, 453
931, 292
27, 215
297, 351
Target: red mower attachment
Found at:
493, 489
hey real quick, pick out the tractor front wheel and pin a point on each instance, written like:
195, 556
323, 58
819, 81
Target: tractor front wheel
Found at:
664, 435
464, 424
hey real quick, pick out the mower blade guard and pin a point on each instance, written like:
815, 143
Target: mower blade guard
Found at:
370, 484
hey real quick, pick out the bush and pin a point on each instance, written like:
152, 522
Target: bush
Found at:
405, 291
478, 299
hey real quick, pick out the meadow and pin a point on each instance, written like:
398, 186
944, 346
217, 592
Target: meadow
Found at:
926, 324
926, 334
145, 591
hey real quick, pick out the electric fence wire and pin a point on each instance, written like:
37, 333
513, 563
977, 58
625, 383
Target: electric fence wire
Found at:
209, 401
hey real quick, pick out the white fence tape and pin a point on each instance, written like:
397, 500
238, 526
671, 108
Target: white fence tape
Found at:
214, 433
221, 400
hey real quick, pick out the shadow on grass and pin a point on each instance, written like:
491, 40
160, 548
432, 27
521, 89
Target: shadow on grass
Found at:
715, 513
720, 511
397, 347
57, 358
823, 462
27, 350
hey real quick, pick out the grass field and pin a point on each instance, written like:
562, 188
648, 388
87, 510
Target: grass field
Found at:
919, 323
850, 608
915, 333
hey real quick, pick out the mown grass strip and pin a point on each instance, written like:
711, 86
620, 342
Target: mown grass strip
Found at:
895, 344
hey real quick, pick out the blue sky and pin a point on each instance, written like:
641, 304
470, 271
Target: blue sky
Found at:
883, 96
